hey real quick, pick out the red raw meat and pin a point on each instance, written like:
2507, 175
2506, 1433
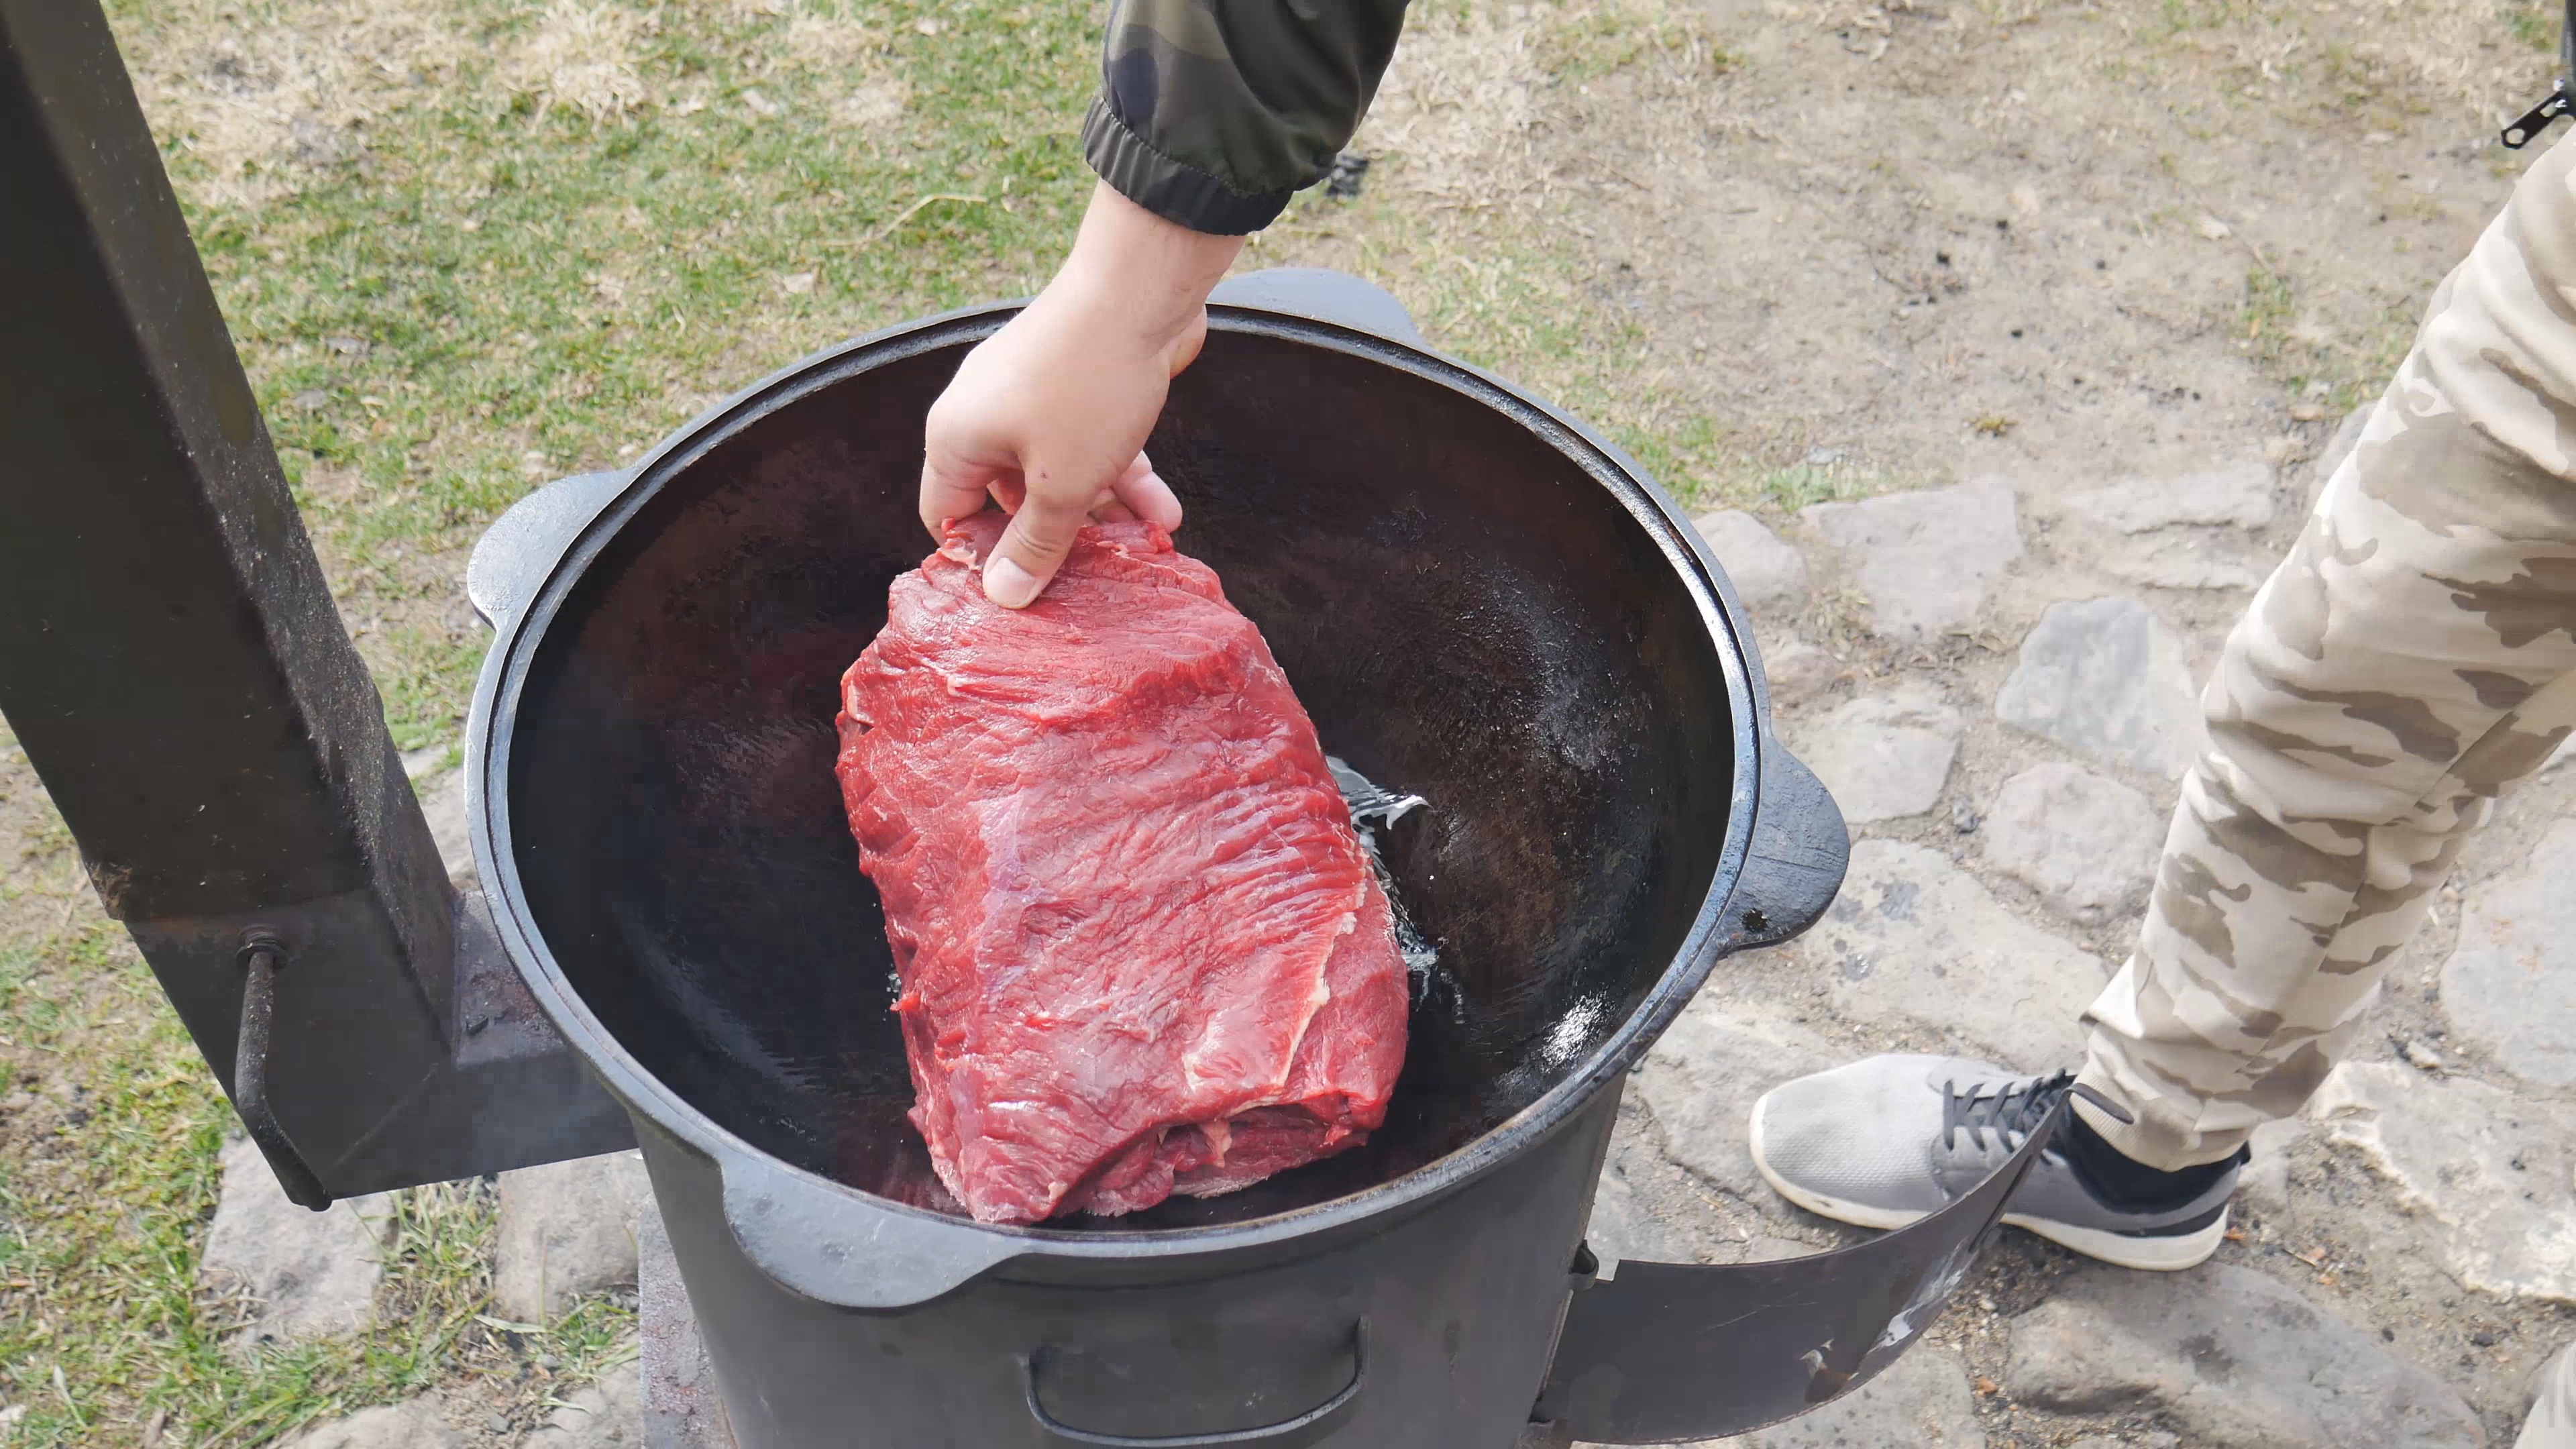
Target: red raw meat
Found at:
1141, 950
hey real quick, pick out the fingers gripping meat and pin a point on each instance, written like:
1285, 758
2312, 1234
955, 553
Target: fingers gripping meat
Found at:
1140, 948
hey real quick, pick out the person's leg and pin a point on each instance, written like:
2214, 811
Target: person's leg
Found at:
2411, 658
2552, 1422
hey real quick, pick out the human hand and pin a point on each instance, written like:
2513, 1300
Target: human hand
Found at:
1048, 417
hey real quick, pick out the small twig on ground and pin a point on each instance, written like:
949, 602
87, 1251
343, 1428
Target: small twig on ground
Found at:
907, 214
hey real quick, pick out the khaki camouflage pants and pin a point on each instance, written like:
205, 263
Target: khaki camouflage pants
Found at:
2412, 658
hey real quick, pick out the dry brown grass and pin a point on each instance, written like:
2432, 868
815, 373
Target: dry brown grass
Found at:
280, 95
585, 57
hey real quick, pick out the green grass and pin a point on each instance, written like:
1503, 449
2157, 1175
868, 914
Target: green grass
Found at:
2534, 23
1595, 40
2340, 375
501, 291
101, 1323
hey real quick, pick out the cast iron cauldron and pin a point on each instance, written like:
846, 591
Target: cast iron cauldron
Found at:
1480, 602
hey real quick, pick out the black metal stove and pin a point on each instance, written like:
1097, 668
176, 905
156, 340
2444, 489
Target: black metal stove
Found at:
1478, 598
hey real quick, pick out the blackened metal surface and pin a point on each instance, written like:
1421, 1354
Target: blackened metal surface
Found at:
1461, 1297
1475, 598
1322, 294
1675, 1352
171, 660
1463, 611
514, 554
250, 1074
1801, 850
682, 1408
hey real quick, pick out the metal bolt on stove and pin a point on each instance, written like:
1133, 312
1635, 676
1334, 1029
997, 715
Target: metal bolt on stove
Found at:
1480, 600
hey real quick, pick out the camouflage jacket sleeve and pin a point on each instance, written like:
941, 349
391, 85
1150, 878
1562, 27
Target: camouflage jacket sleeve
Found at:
1213, 112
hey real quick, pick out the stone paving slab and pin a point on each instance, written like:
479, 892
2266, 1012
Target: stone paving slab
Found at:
2187, 560
2510, 984
311, 1274
2493, 1177
2237, 495
1769, 574
566, 1230
415, 1424
2233, 1359
2108, 679
1884, 756
1916, 945
607, 1415
2087, 845
1926, 559
1921, 1401
1702, 1079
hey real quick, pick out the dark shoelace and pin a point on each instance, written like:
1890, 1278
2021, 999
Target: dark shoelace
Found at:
2011, 1109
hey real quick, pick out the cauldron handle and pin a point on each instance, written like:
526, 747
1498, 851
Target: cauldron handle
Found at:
1311, 1427
1800, 851
1322, 294
513, 555
838, 1246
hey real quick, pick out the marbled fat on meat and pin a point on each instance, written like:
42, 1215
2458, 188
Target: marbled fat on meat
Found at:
1141, 950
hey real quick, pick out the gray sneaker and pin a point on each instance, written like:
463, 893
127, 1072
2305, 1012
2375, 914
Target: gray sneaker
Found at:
1885, 1141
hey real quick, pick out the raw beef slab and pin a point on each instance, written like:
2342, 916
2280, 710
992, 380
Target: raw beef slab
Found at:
1140, 948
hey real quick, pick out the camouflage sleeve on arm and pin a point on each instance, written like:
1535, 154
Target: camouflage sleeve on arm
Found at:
1213, 112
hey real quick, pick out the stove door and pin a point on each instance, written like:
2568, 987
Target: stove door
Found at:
1675, 1352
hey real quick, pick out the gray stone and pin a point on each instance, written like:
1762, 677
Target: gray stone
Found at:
2152, 1439
1915, 945
2264, 1185
2087, 845
2174, 560
1798, 670
2510, 985
2490, 1173
1769, 573
607, 1415
1701, 1081
2230, 1358
415, 1424
2107, 678
1921, 1401
2239, 495
567, 1229
682, 1409
309, 1274
1623, 1229
1885, 756
444, 803
1924, 559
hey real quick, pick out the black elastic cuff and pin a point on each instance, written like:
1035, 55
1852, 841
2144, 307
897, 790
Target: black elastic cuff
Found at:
1182, 195
2117, 1180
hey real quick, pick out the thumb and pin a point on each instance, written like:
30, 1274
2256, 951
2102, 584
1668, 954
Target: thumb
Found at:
1031, 549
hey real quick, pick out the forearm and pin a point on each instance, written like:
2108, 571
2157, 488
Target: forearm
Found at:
1138, 276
